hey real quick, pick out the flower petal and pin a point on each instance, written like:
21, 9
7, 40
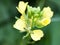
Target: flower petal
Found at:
45, 21
37, 35
20, 25
22, 7
47, 13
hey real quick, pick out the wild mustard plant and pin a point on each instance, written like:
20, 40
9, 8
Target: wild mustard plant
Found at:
34, 17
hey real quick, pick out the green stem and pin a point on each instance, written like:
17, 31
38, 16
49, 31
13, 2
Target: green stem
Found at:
26, 35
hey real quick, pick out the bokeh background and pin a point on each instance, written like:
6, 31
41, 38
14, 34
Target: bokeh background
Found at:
11, 36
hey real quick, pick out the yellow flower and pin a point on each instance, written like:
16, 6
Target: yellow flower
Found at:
45, 21
47, 13
20, 25
22, 7
37, 35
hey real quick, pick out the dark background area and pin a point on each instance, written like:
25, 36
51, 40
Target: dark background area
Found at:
11, 36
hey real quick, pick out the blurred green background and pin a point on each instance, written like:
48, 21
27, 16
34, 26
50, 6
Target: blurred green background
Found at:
11, 36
